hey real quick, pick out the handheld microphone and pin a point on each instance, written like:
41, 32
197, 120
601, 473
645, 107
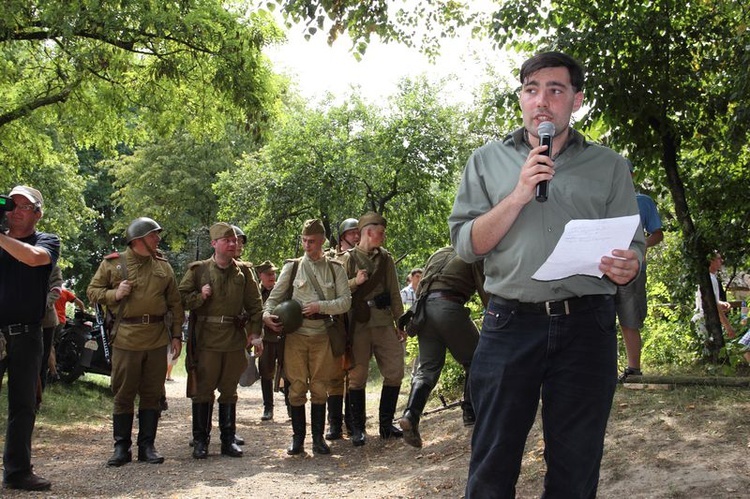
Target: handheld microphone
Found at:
545, 131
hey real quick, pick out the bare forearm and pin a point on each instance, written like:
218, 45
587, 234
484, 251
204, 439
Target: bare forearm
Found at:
32, 256
490, 228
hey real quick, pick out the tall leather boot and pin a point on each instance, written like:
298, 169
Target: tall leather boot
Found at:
299, 425
388, 401
201, 429
357, 400
466, 408
347, 414
317, 425
122, 428
266, 386
148, 421
227, 427
409, 422
335, 418
285, 391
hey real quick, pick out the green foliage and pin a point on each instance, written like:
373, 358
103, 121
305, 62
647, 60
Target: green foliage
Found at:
339, 161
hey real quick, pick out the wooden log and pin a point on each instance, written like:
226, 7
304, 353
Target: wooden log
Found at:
689, 380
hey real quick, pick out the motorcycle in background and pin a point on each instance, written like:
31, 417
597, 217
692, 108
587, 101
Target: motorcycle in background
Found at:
83, 346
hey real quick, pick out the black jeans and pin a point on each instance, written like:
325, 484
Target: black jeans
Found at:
572, 361
23, 363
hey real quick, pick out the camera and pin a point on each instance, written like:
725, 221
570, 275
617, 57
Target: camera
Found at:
6, 203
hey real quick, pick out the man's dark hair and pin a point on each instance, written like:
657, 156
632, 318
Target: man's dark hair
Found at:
554, 60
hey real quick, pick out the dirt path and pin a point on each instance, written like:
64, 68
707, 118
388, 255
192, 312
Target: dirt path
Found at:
655, 449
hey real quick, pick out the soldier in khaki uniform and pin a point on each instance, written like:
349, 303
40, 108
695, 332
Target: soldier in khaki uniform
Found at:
223, 295
348, 238
376, 306
270, 360
447, 285
139, 287
308, 359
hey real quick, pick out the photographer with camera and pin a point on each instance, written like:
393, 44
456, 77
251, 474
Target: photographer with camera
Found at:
376, 305
26, 260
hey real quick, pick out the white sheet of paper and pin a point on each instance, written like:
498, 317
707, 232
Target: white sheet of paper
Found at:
584, 243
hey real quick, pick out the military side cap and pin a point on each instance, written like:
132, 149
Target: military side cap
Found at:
29, 193
220, 230
371, 218
266, 266
312, 227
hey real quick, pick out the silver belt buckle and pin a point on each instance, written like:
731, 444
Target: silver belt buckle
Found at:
552, 313
145, 319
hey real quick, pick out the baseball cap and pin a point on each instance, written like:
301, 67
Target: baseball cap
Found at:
29, 193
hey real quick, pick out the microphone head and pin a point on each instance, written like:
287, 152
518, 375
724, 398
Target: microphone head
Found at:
546, 128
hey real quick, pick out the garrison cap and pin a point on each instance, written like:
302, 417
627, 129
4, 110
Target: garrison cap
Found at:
220, 230
29, 193
266, 266
312, 227
371, 218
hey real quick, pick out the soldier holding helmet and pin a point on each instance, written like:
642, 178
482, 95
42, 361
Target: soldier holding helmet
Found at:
320, 286
139, 287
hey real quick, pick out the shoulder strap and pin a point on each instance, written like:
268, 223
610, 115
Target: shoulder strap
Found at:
295, 268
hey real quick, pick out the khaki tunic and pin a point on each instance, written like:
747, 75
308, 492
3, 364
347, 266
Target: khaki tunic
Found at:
220, 345
308, 361
139, 350
378, 335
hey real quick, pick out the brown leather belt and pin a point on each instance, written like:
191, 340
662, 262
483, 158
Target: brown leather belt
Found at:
143, 319
441, 294
217, 319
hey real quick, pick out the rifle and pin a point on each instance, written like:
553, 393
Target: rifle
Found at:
100, 321
191, 357
445, 406
398, 260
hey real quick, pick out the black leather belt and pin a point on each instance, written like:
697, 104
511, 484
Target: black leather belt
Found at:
16, 329
442, 294
143, 319
553, 308
318, 317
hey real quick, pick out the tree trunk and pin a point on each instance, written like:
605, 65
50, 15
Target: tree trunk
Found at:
695, 247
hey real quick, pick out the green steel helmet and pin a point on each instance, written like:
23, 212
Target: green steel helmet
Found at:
347, 225
290, 315
141, 227
240, 234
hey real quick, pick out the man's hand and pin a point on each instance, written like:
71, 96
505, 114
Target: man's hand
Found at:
206, 291
272, 322
255, 343
621, 267
311, 309
176, 348
361, 277
123, 290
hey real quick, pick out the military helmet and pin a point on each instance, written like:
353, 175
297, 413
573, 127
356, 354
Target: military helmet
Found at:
347, 225
240, 234
290, 315
141, 227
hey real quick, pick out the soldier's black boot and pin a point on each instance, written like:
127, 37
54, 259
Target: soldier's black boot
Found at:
466, 408
317, 425
409, 422
266, 387
388, 401
122, 425
335, 418
228, 426
357, 401
299, 425
148, 421
347, 415
285, 391
201, 428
